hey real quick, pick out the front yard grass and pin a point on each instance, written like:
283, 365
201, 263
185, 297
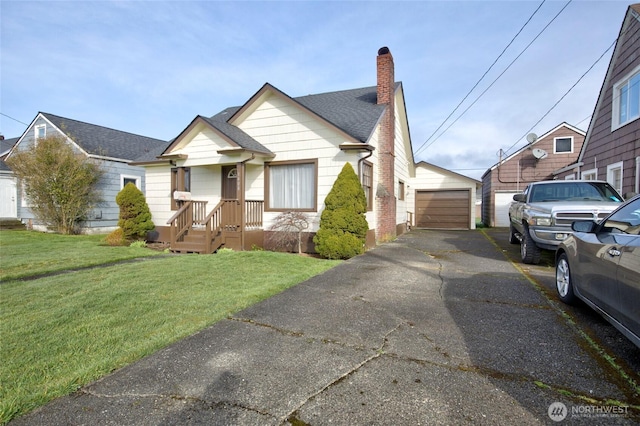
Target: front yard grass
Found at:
61, 332
29, 253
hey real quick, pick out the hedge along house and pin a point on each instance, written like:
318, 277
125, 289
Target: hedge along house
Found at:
113, 149
224, 179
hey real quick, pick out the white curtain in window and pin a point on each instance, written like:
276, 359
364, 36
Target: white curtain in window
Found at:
292, 186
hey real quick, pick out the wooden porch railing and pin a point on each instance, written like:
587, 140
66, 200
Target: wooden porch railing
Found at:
226, 216
190, 213
253, 214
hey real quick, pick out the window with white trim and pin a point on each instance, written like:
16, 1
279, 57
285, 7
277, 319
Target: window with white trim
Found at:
590, 174
125, 179
626, 100
40, 131
572, 176
614, 176
563, 145
291, 185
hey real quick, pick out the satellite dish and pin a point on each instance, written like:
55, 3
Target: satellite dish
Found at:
532, 137
539, 153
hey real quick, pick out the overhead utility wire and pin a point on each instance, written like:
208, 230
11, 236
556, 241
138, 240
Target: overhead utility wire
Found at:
425, 146
483, 76
14, 119
562, 97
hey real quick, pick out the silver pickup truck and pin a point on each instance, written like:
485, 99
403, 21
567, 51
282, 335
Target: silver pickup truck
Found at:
540, 217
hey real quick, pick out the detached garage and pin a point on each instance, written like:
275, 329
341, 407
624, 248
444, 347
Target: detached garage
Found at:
442, 199
443, 209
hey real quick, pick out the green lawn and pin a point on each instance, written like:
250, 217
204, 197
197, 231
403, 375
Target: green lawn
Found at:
28, 253
63, 331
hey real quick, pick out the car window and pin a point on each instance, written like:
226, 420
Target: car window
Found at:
626, 220
574, 191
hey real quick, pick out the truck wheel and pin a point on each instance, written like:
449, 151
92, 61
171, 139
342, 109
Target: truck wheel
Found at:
529, 251
512, 235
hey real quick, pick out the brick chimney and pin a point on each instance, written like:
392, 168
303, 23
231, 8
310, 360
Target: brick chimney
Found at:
385, 194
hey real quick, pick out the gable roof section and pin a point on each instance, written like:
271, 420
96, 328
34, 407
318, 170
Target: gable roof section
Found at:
447, 172
354, 112
5, 147
218, 123
633, 14
102, 141
555, 129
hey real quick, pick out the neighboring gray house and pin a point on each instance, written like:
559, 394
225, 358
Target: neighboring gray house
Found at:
114, 149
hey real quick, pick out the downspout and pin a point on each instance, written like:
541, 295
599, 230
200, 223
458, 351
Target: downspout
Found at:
242, 173
360, 164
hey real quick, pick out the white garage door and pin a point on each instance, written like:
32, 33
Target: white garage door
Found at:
8, 198
502, 202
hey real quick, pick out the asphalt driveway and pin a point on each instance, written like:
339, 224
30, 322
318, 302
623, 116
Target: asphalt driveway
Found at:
435, 328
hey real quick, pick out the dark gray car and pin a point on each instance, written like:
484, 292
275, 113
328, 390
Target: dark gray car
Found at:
600, 264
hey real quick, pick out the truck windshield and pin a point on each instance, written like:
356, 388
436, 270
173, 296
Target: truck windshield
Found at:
574, 191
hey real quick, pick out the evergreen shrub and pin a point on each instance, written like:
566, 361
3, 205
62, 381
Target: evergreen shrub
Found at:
343, 225
135, 217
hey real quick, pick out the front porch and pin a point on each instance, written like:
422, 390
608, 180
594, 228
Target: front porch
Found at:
232, 223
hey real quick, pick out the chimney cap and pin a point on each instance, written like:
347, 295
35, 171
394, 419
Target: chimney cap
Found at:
383, 51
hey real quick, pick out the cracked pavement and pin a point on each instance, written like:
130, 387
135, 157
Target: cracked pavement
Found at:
434, 328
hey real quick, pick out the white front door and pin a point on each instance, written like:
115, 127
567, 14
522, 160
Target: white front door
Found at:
8, 198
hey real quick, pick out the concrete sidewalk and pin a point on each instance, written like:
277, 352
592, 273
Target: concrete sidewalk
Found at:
436, 328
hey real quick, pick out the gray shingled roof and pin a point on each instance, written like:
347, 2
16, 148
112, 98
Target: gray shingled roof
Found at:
103, 141
219, 121
354, 111
5, 146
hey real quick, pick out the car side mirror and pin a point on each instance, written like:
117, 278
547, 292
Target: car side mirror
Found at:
583, 226
521, 198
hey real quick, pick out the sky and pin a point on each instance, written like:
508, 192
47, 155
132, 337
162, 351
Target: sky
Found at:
150, 67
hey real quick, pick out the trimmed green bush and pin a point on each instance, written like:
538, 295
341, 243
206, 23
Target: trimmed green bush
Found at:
116, 238
135, 217
343, 225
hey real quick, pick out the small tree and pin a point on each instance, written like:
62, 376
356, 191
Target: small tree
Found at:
61, 184
287, 231
343, 225
135, 217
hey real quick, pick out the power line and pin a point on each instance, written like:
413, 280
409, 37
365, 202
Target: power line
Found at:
562, 97
481, 78
14, 119
425, 146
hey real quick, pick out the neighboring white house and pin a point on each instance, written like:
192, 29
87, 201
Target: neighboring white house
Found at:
113, 149
233, 173
8, 185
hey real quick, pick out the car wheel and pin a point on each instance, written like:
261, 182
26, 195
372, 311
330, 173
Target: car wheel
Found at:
512, 235
529, 251
564, 284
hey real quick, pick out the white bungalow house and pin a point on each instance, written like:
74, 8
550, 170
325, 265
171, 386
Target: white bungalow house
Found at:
225, 178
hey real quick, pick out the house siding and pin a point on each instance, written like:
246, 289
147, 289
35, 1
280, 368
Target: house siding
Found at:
294, 134
606, 147
402, 164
